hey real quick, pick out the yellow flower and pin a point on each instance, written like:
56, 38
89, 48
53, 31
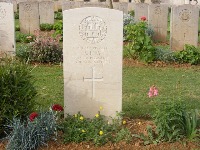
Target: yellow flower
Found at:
75, 115
124, 122
100, 132
97, 115
81, 118
101, 108
139, 123
83, 131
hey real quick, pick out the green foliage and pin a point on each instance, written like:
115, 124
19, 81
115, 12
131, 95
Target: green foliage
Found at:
16, 15
78, 129
190, 54
46, 48
58, 27
46, 27
30, 135
164, 55
17, 92
23, 38
169, 121
17, 28
140, 43
191, 120
58, 16
23, 52
132, 13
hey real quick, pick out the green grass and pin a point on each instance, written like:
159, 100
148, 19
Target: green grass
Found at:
173, 84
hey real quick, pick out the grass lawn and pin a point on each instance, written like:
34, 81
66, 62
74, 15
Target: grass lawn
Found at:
173, 84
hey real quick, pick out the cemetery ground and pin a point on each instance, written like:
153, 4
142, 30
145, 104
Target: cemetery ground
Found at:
174, 82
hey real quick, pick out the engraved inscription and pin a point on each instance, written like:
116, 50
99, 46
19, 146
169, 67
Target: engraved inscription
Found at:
185, 15
27, 7
93, 80
92, 29
157, 10
2, 13
92, 55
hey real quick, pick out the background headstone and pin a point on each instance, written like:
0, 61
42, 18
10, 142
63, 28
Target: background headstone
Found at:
29, 17
7, 32
96, 4
46, 12
122, 6
184, 26
141, 9
72, 4
92, 48
158, 15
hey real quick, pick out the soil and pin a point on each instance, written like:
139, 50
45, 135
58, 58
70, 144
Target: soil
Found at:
136, 126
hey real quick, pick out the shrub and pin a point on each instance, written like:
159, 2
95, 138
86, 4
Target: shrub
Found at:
16, 91
23, 38
46, 27
45, 48
23, 52
58, 27
16, 15
169, 121
58, 16
77, 128
190, 54
140, 43
164, 55
34, 132
17, 28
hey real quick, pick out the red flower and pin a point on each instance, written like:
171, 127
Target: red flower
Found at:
57, 107
143, 18
33, 115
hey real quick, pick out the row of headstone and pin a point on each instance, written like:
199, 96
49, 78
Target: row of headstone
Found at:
32, 14
7, 30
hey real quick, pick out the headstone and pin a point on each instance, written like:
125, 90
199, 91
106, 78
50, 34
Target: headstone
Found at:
122, 6
131, 6
96, 4
158, 15
14, 2
28, 17
141, 9
72, 4
184, 26
55, 6
7, 32
92, 61
46, 11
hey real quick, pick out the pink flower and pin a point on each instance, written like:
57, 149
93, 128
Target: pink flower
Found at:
57, 107
153, 91
32, 116
143, 18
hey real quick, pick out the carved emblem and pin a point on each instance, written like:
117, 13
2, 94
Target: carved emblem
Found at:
2, 13
92, 29
157, 10
27, 7
185, 15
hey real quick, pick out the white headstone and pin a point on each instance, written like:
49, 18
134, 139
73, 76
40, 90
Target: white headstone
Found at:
92, 52
122, 6
72, 4
96, 4
46, 11
141, 9
158, 15
7, 32
29, 17
184, 26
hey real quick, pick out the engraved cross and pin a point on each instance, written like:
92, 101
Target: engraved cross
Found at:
93, 80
